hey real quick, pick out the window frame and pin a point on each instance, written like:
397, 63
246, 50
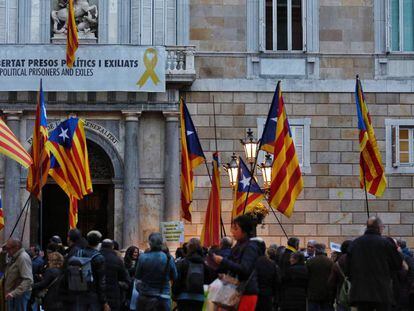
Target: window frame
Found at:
294, 122
262, 18
392, 131
388, 29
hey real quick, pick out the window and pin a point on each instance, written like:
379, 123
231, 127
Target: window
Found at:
300, 129
401, 23
284, 25
400, 145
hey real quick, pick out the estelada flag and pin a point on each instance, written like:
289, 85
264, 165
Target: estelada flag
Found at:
73, 212
268, 140
69, 165
72, 42
286, 182
370, 163
211, 228
191, 156
247, 193
39, 170
11, 147
1, 215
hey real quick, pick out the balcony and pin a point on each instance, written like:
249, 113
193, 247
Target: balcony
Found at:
179, 67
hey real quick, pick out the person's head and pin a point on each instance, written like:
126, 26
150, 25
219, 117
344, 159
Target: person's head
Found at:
345, 245
392, 241
132, 253
55, 260
56, 239
34, 251
13, 246
74, 236
401, 243
194, 247
310, 247
293, 242
107, 244
320, 249
179, 253
155, 241
297, 258
226, 242
116, 245
272, 254
242, 227
375, 224
185, 249
94, 238
261, 245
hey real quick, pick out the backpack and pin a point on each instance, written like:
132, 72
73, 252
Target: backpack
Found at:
195, 278
79, 272
345, 290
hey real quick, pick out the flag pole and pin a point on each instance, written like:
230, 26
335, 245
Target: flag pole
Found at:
365, 189
20, 216
223, 230
278, 220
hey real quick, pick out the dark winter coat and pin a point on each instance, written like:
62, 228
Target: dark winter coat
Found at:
319, 269
242, 262
284, 263
335, 278
114, 273
406, 281
294, 287
51, 281
180, 290
371, 260
269, 281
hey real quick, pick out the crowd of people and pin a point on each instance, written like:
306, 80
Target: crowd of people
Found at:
372, 272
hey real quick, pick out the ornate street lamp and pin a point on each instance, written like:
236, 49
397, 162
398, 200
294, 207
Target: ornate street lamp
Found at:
250, 147
266, 168
232, 168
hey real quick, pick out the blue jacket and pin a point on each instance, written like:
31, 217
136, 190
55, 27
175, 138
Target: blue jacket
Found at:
150, 274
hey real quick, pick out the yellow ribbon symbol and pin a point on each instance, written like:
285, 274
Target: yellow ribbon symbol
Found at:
150, 64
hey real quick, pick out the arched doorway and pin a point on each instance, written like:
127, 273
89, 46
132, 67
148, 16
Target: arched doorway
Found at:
95, 211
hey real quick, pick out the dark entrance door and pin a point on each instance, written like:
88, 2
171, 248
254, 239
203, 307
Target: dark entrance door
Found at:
95, 211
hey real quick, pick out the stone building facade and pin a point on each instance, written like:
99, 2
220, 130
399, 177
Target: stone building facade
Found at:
231, 53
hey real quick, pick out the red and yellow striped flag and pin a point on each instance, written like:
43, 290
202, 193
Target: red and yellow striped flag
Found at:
73, 212
370, 163
72, 42
11, 147
211, 229
39, 170
286, 183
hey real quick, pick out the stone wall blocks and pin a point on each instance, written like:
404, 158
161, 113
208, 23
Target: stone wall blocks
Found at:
350, 157
316, 98
305, 205
221, 97
327, 109
329, 205
200, 97
399, 110
309, 181
257, 109
389, 218
321, 121
304, 230
266, 98
317, 218
399, 182
340, 98
328, 181
340, 169
340, 121
349, 182
400, 230
401, 206
328, 157
340, 145
351, 133
340, 218
275, 229
328, 230
205, 109
323, 133
320, 169
245, 97
304, 109
294, 98
352, 230
320, 145
406, 98
316, 193
407, 194
407, 218
387, 98
340, 194
352, 205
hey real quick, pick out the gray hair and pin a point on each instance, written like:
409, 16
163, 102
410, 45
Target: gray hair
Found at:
155, 241
107, 243
226, 242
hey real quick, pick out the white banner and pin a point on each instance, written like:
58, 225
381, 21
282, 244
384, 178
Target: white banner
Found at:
97, 68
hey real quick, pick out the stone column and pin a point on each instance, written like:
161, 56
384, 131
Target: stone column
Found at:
11, 200
131, 180
171, 168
